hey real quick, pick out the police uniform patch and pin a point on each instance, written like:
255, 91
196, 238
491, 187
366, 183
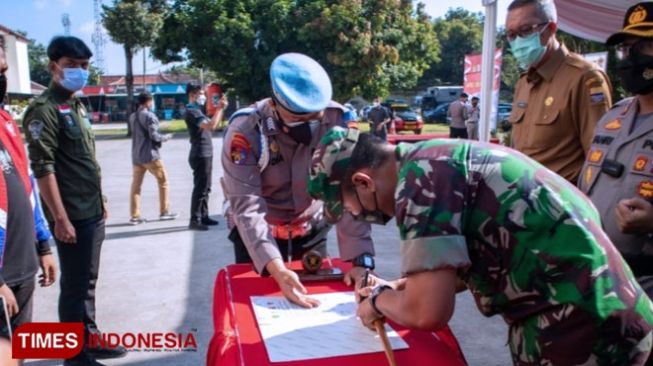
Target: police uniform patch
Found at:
640, 163
240, 148
35, 128
274, 147
595, 156
645, 189
597, 96
613, 125
69, 120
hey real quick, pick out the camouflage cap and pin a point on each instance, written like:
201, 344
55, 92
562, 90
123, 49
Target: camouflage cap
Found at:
330, 162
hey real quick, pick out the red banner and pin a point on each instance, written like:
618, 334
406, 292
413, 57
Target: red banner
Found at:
47, 340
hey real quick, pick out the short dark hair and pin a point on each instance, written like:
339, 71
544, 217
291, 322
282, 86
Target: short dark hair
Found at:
192, 88
464, 95
368, 153
144, 97
546, 9
474, 98
68, 46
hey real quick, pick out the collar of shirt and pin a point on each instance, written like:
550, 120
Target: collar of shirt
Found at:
60, 94
548, 69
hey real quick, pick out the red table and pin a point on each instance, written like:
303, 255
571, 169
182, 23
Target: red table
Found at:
410, 138
237, 341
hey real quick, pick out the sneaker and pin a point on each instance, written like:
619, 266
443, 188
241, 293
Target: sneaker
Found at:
168, 216
209, 221
136, 220
197, 226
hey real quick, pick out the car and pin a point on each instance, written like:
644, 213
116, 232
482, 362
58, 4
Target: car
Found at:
503, 112
437, 115
404, 119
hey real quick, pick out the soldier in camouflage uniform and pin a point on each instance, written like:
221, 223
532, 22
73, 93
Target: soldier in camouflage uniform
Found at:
527, 244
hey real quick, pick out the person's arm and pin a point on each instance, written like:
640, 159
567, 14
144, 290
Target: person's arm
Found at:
426, 301
242, 183
217, 116
153, 128
43, 236
41, 126
63, 228
354, 239
594, 99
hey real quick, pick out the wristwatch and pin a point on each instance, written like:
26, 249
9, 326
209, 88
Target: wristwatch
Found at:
364, 260
375, 293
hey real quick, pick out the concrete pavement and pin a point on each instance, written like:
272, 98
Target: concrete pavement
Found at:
159, 276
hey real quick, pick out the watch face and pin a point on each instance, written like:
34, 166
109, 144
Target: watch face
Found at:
367, 261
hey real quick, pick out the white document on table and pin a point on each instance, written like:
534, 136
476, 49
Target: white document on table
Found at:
292, 333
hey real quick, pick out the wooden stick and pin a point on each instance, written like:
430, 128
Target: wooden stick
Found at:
380, 329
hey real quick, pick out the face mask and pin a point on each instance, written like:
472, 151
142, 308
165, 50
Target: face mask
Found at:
528, 50
3, 87
375, 104
201, 99
373, 217
74, 79
636, 73
301, 132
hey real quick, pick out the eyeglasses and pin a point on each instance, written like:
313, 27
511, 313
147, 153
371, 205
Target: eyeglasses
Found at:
524, 31
641, 47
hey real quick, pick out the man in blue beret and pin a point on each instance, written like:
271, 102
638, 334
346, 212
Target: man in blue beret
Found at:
266, 157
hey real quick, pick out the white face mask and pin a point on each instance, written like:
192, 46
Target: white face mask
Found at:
201, 99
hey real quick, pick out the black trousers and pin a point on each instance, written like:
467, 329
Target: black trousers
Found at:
80, 265
458, 133
24, 294
315, 240
199, 203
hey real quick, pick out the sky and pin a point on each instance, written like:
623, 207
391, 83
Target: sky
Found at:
41, 19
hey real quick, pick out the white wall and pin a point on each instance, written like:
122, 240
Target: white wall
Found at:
18, 74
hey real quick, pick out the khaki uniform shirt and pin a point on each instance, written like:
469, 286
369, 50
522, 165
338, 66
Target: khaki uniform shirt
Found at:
555, 109
613, 141
278, 194
60, 141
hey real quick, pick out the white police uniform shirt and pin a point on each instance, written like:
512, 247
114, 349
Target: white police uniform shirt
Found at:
278, 193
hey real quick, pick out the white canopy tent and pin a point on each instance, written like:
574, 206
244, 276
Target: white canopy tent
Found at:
590, 19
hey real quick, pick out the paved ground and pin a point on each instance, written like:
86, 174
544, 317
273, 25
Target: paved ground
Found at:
158, 277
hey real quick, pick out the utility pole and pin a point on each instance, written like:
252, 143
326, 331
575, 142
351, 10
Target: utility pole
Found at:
98, 38
65, 20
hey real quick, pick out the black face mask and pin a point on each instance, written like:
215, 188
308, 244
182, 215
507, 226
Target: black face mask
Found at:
371, 216
302, 133
3, 87
636, 72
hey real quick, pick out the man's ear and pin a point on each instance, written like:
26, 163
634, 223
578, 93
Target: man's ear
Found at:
363, 181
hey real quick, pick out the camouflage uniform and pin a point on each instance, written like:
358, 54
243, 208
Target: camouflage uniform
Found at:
527, 243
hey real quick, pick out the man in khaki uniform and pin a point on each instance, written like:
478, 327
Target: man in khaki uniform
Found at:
560, 97
266, 158
618, 171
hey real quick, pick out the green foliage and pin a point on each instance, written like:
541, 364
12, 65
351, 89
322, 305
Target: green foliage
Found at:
38, 63
459, 33
134, 24
368, 47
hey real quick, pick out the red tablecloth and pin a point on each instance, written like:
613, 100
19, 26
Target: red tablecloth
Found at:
237, 341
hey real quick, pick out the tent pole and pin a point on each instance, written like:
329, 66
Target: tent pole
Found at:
487, 69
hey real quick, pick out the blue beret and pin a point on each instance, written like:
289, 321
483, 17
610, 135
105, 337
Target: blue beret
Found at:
299, 83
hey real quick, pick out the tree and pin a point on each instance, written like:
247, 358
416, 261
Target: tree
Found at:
459, 32
366, 46
134, 24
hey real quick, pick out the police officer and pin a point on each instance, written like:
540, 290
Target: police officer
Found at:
618, 171
560, 96
200, 157
62, 154
266, 157
524, 241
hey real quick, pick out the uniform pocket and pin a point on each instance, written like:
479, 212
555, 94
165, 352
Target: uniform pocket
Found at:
72, 140
546, 132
